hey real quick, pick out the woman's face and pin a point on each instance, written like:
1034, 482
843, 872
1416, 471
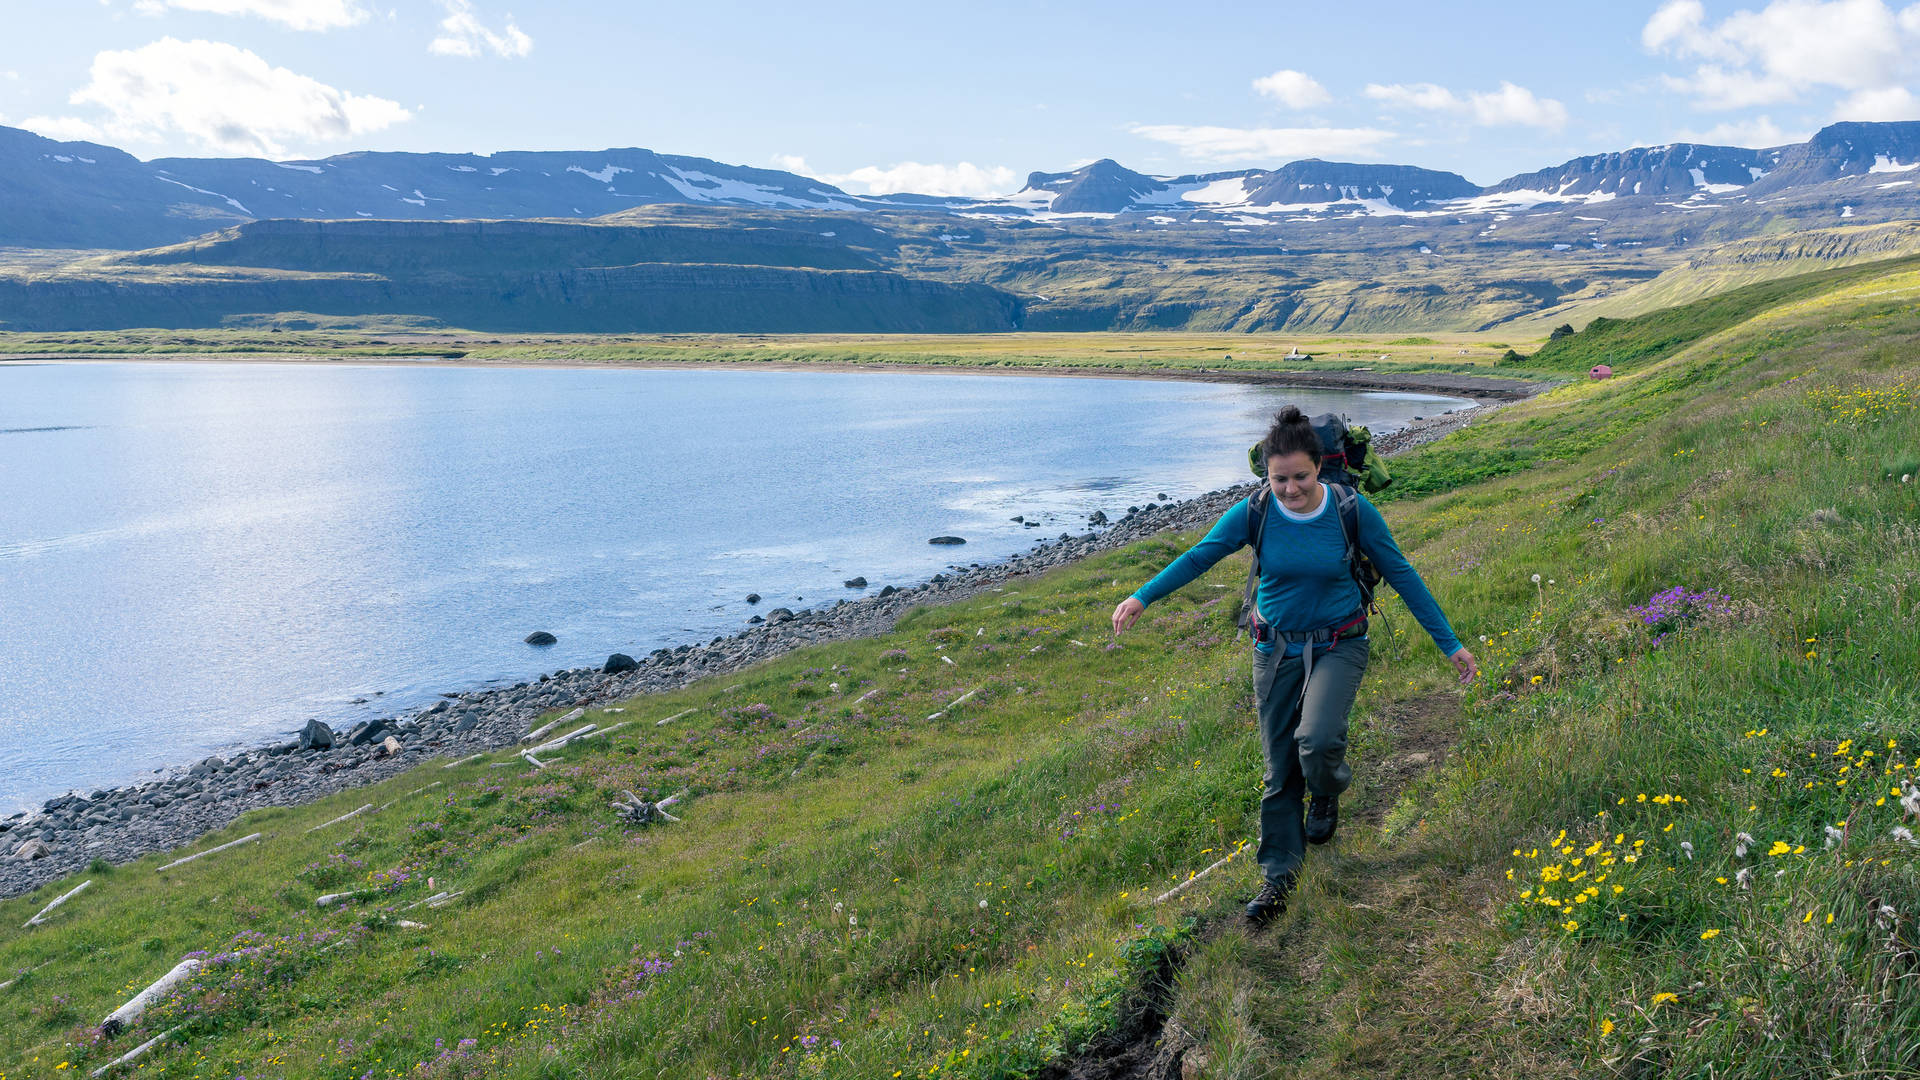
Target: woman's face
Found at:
1295, 481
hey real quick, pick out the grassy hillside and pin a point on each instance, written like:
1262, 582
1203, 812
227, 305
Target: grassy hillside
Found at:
1544, 876
1738, 263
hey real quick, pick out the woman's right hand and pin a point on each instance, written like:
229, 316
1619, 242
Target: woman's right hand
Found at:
1125, 614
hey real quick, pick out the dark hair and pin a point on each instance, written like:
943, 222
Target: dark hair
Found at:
1291, 433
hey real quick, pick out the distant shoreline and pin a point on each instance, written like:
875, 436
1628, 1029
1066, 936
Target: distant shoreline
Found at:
1479, 387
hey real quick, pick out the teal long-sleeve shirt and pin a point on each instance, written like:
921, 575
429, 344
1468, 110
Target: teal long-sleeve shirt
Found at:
1305, 583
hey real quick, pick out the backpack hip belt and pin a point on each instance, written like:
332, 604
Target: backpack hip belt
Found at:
1310, 640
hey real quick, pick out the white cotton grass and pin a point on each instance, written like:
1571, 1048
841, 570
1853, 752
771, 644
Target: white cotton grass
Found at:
1903, 834
1835, 837
1742, 841
1745, 877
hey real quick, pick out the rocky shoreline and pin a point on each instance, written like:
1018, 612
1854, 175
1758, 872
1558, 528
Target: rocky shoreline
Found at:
122, 824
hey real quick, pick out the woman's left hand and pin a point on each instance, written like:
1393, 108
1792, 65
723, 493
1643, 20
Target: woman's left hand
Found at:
1464, 662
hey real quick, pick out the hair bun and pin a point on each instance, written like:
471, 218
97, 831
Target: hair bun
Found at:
1289, 415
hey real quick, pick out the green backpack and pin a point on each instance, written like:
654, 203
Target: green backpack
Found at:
1344, 456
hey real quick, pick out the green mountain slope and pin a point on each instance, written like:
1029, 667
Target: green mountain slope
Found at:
1544, 876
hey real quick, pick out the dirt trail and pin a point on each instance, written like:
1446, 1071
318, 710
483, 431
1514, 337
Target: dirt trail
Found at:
1146, 1045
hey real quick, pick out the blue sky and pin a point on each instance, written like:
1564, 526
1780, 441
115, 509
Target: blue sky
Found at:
957, 99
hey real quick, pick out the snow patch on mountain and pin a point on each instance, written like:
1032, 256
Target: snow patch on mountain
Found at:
604, 173
231, 201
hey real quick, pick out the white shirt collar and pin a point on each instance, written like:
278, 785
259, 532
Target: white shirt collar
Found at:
1325, 498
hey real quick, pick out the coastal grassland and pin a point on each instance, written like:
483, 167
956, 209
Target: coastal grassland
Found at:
327, 337
1670, 841
859, 886
989, 858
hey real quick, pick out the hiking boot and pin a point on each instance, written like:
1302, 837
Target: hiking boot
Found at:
1271, 901
1323, 817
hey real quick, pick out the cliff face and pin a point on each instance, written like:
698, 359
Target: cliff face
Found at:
1676, 169
1403, 186
658, 298
484, 248
1839, 151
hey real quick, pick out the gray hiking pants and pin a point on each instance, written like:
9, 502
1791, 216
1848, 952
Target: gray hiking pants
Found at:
1304, 740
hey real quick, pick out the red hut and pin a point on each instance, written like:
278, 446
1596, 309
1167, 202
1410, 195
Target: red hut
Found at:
1600, 371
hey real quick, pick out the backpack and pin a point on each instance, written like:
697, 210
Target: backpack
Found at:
1365, 575
1344, 457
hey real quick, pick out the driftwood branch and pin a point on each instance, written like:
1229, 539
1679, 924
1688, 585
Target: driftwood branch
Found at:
135, 1053
63, 898
866, 695
462, 761
1187, 884
953, 703
29, 971
675, 716
439, 899
563, 740
341, 818
637, 811
210, 851
128, 1013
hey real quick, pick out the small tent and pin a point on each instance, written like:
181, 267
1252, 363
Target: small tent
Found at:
1600, 371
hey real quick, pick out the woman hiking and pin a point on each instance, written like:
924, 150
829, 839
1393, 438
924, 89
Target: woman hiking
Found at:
1310, 637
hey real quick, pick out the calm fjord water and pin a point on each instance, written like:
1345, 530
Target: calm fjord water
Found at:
195, 556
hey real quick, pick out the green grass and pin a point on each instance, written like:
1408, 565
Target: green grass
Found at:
331, 337
1082, 778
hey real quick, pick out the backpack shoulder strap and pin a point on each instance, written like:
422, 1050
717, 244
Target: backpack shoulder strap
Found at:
1256, 528
1347, 501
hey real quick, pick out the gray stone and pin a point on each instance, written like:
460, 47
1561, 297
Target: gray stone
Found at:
31, 850
369, 732
1098, 517
856, 583
316, 736
619, 662
540, 637
948, 540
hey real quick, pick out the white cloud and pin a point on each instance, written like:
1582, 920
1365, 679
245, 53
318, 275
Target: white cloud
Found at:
1891, 103
463, 34
1517, 105
221, 96
1417, 96
1509, 105
1222, 144
1294, 89
1758, 132
965, 178
297, 14
64, 128
1783, 50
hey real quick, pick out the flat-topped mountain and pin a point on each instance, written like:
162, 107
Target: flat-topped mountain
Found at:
1846, 151
1106, 187
1675, 169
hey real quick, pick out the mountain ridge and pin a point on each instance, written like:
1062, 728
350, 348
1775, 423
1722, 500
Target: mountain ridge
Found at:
78, 194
